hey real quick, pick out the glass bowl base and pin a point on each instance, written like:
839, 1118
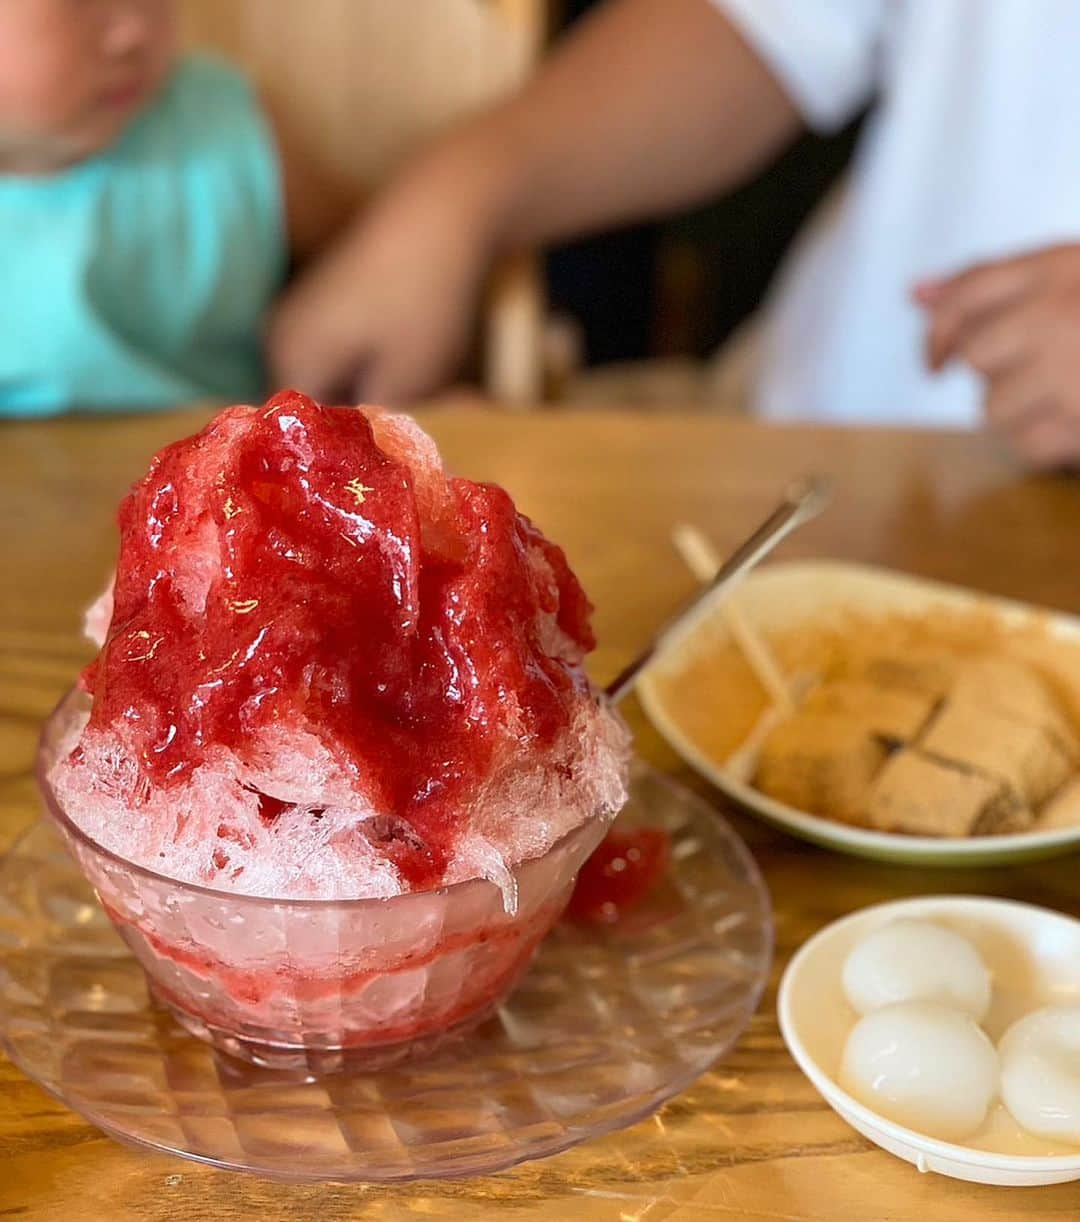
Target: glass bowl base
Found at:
314, 1059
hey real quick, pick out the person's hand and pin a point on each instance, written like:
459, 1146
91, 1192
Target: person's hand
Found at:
1017, 322
385, 315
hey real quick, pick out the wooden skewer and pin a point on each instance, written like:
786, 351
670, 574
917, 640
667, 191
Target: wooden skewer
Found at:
702, 560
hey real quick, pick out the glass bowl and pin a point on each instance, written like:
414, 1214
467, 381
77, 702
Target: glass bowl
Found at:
299, 982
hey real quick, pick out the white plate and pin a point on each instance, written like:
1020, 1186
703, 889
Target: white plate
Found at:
780, 597
1034, 956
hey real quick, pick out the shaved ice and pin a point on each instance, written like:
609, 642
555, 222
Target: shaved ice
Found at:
329, 670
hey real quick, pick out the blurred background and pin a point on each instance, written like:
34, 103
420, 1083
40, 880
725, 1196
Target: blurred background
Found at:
327, 116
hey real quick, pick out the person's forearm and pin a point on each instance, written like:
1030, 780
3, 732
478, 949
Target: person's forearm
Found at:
649, 106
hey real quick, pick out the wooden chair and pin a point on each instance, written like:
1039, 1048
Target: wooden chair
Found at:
367, 81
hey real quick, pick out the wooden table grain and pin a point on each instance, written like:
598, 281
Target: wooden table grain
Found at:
751, 1139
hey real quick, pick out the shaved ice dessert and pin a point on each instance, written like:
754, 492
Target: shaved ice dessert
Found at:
337, 763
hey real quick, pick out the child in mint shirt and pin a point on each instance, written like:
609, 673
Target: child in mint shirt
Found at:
146, 213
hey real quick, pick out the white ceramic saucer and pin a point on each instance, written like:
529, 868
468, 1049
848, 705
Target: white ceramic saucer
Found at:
1034, 956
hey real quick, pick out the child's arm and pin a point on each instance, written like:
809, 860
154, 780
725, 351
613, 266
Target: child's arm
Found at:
649, 106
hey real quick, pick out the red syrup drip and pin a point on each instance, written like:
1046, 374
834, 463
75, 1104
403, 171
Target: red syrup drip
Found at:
619, 875
270, 808
283, 570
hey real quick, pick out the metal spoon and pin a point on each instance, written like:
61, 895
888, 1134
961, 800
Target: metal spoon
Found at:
801, 503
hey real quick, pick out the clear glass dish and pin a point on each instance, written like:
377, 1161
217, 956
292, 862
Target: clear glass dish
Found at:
606, 1024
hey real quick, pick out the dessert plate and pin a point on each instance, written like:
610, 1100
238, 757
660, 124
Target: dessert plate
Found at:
608, 1023
1034, 956
779, 598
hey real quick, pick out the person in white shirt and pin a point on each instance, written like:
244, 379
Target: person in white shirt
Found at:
943, 290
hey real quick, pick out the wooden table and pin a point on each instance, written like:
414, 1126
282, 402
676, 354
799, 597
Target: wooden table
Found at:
751, 1139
